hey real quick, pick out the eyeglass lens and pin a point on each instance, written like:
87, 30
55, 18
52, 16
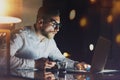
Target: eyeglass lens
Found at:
55, 24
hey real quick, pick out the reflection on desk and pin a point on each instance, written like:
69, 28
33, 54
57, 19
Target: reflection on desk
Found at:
42, 75
58, 75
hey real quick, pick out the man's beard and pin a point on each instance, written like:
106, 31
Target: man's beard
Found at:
49, 35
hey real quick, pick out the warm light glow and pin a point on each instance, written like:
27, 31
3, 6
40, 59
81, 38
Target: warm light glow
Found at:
8, 19
10, 11
83, 22
72, 14
109, 18
116, 7
91, 47
92, 1
66, 54
2, 34
118, 39
2, 7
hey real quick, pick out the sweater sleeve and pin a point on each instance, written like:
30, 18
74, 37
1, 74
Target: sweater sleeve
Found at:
20, 63
56, 55
16, 44
70, 63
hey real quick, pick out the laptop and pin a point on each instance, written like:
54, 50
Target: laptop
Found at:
99, 59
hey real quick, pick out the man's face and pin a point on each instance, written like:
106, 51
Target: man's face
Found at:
50, 27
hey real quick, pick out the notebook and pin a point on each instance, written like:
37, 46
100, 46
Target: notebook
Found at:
99, 59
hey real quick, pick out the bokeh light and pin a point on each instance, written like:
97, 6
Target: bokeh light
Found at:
83, 21
92, 1
109, 18
66, 54
118, 39
116, 7
91, 47
72, 14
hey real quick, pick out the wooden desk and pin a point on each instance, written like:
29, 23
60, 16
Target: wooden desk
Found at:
56, 75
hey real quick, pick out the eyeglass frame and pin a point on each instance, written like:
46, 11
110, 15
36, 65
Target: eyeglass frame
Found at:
55, 25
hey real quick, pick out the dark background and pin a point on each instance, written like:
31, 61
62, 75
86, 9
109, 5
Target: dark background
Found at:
75, 40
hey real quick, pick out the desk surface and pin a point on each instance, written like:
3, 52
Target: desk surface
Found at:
57, 75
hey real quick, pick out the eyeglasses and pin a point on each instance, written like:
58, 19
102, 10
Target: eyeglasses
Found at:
55, 25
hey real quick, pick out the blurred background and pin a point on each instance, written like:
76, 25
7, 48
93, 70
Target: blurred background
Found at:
83, 21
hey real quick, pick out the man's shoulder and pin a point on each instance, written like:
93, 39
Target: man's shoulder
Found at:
27, 28
21, 29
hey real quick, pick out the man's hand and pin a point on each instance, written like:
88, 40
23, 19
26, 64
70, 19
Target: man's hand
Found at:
42, 75
82, 66
44, 63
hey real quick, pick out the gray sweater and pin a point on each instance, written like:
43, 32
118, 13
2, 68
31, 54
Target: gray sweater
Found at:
26, 47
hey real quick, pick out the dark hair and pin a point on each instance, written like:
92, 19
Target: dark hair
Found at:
46, 13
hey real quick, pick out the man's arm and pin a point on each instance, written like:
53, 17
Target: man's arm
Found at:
20, 63
56, 55
16, 44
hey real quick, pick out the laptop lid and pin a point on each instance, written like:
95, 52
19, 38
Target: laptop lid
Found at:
99, 58
101, 52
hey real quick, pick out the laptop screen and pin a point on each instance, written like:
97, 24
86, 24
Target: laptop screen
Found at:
101, 53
